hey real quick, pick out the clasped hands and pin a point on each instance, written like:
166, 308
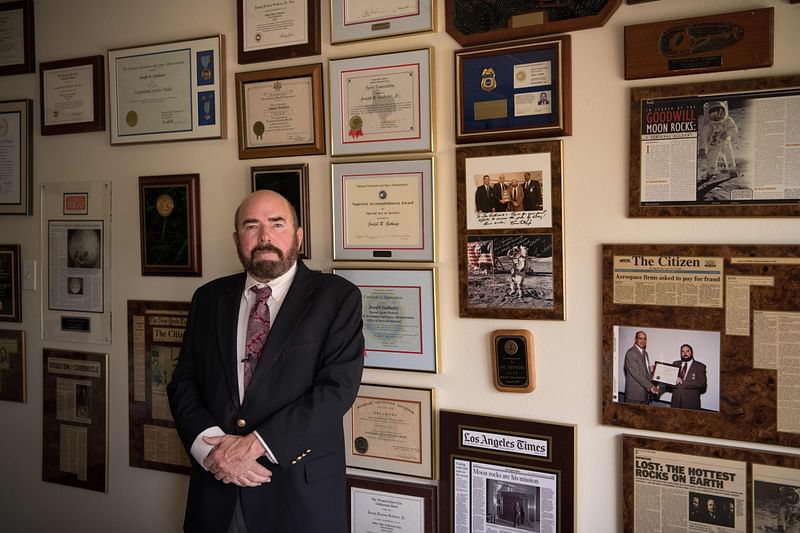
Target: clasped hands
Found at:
233, 460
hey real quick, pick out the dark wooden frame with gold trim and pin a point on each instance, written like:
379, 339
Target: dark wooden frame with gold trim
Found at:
98, 123
311, 48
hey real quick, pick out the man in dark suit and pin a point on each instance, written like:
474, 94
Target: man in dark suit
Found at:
638, 370
263, 425
502, 195
484, 196
533, 193
691, 380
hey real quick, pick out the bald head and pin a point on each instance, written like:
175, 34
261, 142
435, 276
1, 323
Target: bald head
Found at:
265, 196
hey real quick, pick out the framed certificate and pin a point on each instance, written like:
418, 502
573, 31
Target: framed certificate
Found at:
514, 91
168, 92
353, 20
665, 373
73, 95
270, 30
13, 368
399, 314
169, 213
17, 39
381, 103
16, 157
387, 504
291, 181
280, 112
10, 283
390, 429
383, 210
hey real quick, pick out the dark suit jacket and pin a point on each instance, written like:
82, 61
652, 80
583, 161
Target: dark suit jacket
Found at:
484, 200
499, 205
687, 394
533, 195
305, 381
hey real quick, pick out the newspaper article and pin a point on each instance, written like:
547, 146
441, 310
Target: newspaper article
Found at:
721, 149
75, 273
776, 499
162, 445
491, 498
683, 281
676, 492
73, 450
737, 302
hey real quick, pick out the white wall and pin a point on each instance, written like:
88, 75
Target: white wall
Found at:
567, 353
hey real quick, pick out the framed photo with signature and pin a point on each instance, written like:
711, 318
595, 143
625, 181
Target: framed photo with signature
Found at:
291, 181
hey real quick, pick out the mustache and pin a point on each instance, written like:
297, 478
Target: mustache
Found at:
266, 248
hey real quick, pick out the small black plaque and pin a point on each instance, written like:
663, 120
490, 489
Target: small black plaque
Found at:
76, 323
512, 360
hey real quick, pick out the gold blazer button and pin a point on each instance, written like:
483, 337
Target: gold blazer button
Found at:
241, 422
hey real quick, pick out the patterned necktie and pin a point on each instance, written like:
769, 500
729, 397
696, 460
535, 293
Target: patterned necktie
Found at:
682, 373
257, 331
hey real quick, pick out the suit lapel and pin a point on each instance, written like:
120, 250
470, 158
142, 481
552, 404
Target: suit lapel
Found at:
227, 322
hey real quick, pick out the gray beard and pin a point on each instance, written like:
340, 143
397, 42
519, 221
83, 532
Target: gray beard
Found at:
267, 270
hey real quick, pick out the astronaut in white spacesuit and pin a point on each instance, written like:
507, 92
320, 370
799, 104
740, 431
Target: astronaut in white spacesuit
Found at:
717, 131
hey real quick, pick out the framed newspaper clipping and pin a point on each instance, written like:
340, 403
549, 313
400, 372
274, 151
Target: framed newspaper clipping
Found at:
687, 486
496, 474
155, 334
726, 317
710, 149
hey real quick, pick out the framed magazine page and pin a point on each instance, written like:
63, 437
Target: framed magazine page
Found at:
382, 103
413, 505
701, 149
291, 181
383, 210
269, 30
514, 91
358, 20
73, 95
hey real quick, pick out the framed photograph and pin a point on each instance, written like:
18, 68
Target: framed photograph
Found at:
514, 91
700, 149
169, 214
280, 112
75, 419
499, 474
399, 311
291, 181
390, 429
705, 487
17, 38
155, 334
16, 156
13, 366
73, 95
354, 21
722, 316
382, 103
510, 231
383, 210
10, 283
270, 30
411, 506
472, 23
168, 92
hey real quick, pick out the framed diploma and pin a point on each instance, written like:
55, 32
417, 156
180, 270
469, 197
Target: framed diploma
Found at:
280, 112
514, 91
169, 213
693, 149
381, 103
291, 181
13, 368
399, 314
10, 283
75, 419
270, 30
390, 429
353, 20
390, 505
17, 39
510, 231
496, 474
168, 92
383, 210
16, 157
665, 373
471, 23
73, 95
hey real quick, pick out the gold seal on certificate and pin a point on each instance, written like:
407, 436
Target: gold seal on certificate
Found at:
356, 123
258, 129
132, 118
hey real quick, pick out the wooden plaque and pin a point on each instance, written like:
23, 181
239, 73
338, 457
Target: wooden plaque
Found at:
730, 41
512, 360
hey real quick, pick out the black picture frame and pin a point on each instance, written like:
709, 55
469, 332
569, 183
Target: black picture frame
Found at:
28, 63
291, 182
98, 121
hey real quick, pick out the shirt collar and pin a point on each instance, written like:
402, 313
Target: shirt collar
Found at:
280, 285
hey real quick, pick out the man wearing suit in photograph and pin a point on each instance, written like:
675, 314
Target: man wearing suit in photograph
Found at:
691, 380
638, 386
484, 196
501, 195
533, 193
263, 425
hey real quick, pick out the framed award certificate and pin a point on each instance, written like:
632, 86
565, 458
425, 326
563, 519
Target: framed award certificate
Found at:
280, 112
168, 92
353, 20
17, 43
390, 429
414, 503
381, 103
16, 157
383, 210
270, 30
399, 314
73, 95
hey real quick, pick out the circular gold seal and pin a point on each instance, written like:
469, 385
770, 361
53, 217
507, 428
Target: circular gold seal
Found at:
132, 118
258, 128
165, 205
361, 445
510, 347
356, 123
521, 75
